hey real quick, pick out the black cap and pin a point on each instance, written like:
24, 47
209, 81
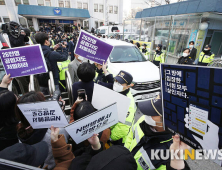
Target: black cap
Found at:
151, 107
208, 46
33, 155
114, 158
144, 44
159, 45
124, 77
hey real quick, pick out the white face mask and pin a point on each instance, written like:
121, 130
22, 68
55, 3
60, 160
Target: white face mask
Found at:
80, 58
206, 49
191, 46
117, 87
149, 120
185, 54
157, 48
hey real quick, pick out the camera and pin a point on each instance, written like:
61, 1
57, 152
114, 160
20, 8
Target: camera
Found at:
14, 29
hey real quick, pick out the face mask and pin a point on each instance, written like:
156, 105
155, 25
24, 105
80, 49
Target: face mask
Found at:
117, 87
185, 54
206, 49
157, 48
149, 120
191, 46
80, 58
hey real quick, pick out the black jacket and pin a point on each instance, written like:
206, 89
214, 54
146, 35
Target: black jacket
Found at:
17, 42
89, 86
193, 53
55, 57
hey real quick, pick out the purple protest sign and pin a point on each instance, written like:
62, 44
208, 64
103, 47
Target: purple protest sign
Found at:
23, 61
93, 48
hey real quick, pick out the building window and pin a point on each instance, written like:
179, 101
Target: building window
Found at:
26, 2
40, 2
110, 9
101, 8
61, 3
95, 7
115, 9
85, 5
2, 2
17, 2
30, 23
6, 19
47, 2
67, 3
22, 22
79, 5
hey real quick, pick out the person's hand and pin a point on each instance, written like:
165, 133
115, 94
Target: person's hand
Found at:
177, 146
104, 68
94, 141
78, 100
23, 33
6, 81
56, 46
54, 134
64, 46
65, 43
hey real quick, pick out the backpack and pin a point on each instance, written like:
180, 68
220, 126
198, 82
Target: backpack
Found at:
44, 77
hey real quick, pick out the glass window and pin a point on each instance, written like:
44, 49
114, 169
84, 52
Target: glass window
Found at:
95, 7
101, 8
125, 54
17, 2
110, 9
2, 2
47, 2
61, 3
6, 19
67, 3
40, 2
22, 22
30, 23
85, 5
79, 5
26, 2
115, 9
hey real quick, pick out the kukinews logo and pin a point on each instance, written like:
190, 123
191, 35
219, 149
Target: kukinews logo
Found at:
199, 154
57, 11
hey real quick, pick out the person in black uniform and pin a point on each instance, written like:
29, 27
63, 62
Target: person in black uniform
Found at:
186, 58
193, 51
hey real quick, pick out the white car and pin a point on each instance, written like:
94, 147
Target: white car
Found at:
146, 77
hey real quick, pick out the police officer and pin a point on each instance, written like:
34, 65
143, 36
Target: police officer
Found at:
186, 58
148, 134
158, 56
144, 50
206, 56
138, 45
122, 85
100, 76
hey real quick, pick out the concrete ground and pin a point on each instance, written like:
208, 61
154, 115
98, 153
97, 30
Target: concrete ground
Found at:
203, 165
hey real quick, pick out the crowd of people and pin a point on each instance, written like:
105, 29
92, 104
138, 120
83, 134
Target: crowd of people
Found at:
123, 146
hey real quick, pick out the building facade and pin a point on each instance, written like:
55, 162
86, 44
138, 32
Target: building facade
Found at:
102, 12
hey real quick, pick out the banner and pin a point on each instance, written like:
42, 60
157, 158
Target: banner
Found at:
107, 96
94, 123
6, 165
44, 114
192, 104
23, 61
92, 48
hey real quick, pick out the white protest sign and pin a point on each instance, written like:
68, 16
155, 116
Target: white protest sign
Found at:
44, 114
94, 123
103, 96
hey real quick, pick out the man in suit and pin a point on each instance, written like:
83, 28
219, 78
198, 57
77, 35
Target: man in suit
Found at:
71, 48
193, 51
73, 66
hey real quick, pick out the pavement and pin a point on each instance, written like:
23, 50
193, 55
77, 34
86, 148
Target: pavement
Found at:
203, 165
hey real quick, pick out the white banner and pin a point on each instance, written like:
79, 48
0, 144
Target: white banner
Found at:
94, 123
44, 114
103, 97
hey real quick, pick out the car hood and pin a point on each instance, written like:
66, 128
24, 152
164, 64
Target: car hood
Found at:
141, 71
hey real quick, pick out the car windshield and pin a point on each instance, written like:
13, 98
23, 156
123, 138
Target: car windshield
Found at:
125, 54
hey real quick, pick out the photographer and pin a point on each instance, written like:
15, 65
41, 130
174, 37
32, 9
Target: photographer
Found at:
17, 35
52, 56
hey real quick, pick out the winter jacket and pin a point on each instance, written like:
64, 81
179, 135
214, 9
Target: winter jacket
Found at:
55, 57
44, 135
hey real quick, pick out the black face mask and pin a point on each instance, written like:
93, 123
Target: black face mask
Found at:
206, 51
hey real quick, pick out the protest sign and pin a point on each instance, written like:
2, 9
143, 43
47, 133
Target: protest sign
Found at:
103, 96
23, 61
94, 123
44, 114
6, 165
192, 104
92, 48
